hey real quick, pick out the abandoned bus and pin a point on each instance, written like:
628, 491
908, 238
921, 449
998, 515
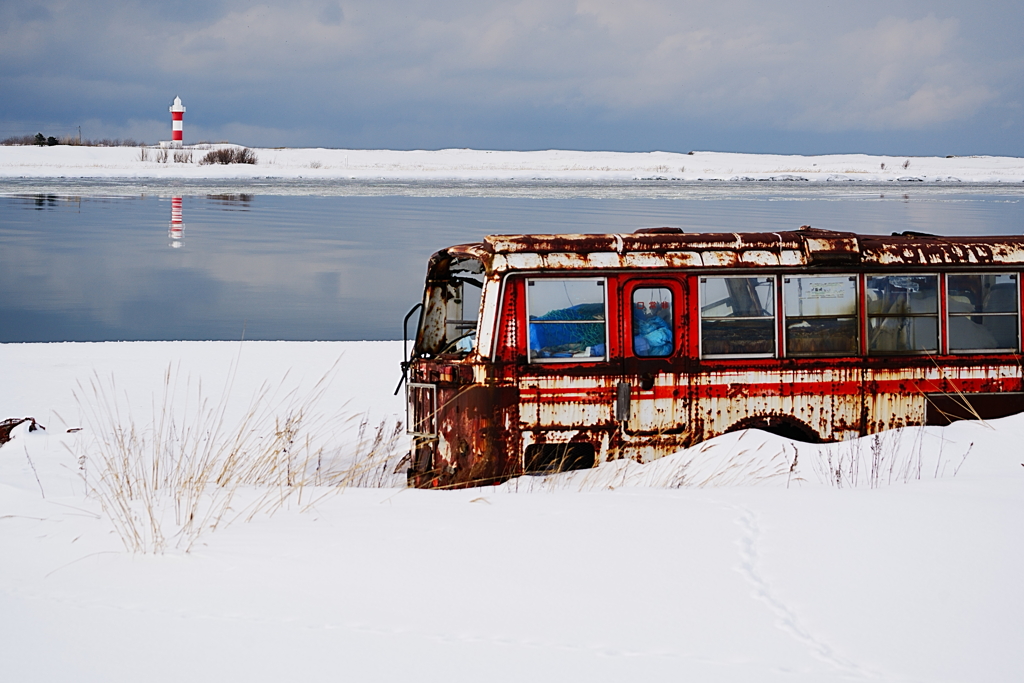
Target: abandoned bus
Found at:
540, 353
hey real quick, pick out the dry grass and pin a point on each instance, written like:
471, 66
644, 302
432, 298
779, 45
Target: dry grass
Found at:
887, 458
959, 398
162, 155
193, 468
230, 155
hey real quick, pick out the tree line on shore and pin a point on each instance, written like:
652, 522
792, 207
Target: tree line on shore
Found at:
73, 140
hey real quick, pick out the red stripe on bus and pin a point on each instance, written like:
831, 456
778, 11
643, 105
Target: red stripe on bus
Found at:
782, 389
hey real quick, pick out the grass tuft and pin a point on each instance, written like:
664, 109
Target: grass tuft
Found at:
194, 468
886, 458
229, 155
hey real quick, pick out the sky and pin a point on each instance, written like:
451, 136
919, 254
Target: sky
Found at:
815, 77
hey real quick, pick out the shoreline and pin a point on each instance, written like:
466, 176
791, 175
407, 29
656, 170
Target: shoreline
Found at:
165, 188
124, 164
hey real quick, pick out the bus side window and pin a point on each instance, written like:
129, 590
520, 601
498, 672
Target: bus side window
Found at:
653, 331
903, 314
821, 315
737, 316
566, 319
982, 312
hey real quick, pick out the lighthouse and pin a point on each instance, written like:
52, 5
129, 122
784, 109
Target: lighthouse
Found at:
177, 119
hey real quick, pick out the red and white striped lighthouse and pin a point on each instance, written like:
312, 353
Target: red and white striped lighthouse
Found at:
177, 120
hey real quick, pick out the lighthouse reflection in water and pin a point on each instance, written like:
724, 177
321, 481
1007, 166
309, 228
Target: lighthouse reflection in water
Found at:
177, 230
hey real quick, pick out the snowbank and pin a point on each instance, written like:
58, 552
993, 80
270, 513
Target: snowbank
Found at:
467, 164
755, 570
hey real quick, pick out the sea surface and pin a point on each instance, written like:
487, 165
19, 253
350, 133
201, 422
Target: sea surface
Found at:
301, 260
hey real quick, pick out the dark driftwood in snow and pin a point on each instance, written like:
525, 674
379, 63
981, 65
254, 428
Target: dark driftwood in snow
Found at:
10, 423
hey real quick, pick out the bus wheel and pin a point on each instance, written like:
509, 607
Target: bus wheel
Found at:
785, 426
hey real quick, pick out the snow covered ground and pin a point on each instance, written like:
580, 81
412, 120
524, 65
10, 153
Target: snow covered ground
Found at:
754, 570
481, 165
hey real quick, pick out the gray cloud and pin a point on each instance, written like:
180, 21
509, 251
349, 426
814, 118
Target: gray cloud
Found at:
533, 73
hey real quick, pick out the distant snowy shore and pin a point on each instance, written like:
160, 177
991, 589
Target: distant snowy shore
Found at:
483, 165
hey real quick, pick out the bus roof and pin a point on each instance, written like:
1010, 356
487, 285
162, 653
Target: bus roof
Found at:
675, 248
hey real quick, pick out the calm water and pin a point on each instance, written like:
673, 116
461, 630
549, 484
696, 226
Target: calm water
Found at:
300, 267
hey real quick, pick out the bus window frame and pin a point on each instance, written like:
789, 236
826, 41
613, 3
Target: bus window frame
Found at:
939, 315
858, 316
949, 350
678, 314
530, 359
775, 317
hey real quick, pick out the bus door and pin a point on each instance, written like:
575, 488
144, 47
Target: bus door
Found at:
652, 390
569, 371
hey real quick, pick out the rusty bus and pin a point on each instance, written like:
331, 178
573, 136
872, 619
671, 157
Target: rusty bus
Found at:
540, 353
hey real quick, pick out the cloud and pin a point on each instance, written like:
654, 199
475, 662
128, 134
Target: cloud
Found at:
902, 74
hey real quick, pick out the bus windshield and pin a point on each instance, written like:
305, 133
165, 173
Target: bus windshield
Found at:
451, 306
